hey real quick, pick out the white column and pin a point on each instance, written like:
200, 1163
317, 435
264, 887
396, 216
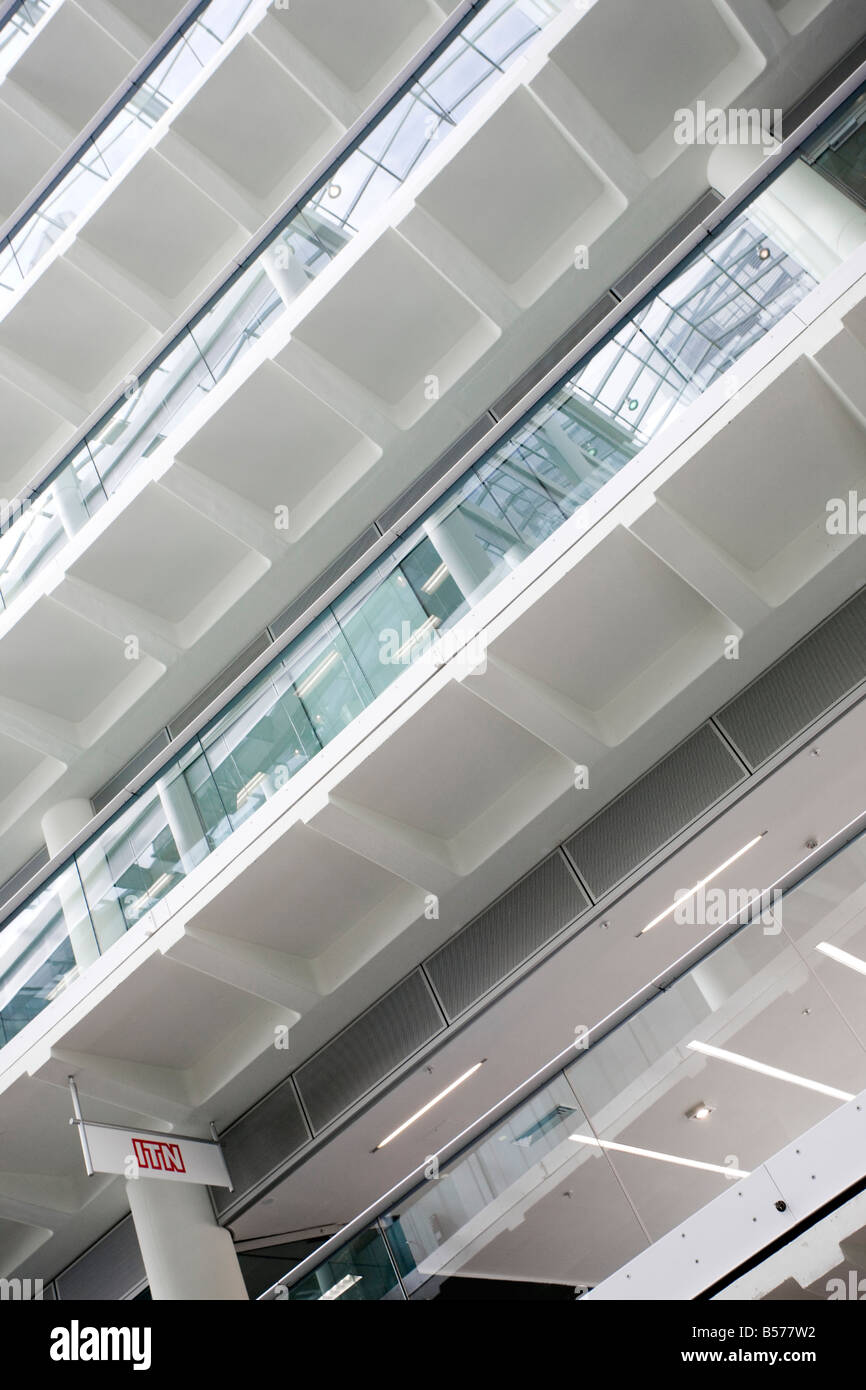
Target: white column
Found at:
801, 210
285, 271
58, 827
178, 803
186, 1254
105, 918
70, 503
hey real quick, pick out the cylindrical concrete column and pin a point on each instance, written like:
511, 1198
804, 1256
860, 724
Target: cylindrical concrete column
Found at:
186, 1254
181, 812
285, 272
70, 503
801, 211
58, 827
104, 917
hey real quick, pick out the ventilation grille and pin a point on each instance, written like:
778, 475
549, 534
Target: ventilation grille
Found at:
554, 355
801, 687
437, 470
260, 1142
111, 1269
18, 879
220, 683
706, 204
126, 774
323, 582
661, 803
368, 1050
506, 935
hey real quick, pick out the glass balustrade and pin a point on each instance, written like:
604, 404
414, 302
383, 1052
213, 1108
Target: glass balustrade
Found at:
644, 1127
18, 27
74, 194
723, 300
150, 408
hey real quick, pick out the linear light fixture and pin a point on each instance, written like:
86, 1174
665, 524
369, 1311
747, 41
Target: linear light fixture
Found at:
248, 788
437, 577
315, 676
701, 883
342, 1286
750, 1064
429, 1106
662, 1158
418, 636
843, 957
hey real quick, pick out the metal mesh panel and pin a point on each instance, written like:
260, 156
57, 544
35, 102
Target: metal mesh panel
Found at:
787, 698
109, 1270
260, 1141
368, 1050
653, 810
507, 934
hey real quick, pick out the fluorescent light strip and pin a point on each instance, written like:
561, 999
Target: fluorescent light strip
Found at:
429, 1106
342, 1286
701, 883
437, 577
843, 957
315, 676
418, 636
751, 1065
663, 1158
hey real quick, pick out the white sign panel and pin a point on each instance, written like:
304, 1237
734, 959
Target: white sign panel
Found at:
142, 1154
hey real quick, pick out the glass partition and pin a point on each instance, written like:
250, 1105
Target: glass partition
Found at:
752, 1046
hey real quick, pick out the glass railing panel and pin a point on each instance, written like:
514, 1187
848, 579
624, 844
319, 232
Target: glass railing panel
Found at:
46, 946
18, 29
844, 161
48, 522
239, 318
699, 1087
75, 192
496, 515
152, 408
151, 847
124, 134
468, 1217
361, 1273
255, 300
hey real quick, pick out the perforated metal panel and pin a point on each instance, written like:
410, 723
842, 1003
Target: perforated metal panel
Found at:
111, 1269
506, 935
260, 1141
131, 769
819, 671
654, 809
322, 583
368, 1050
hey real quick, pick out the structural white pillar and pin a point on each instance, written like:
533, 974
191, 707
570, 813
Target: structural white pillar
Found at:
92, 928
801, 210
285, 271
183, 819
456, 541
70, 503
58, 827
186, 1254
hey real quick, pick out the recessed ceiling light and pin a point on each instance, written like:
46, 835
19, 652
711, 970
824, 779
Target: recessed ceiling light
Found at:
633, 403
662, 1158
429, 1106
764, 253
701, 1111
701, 883
750, 1064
